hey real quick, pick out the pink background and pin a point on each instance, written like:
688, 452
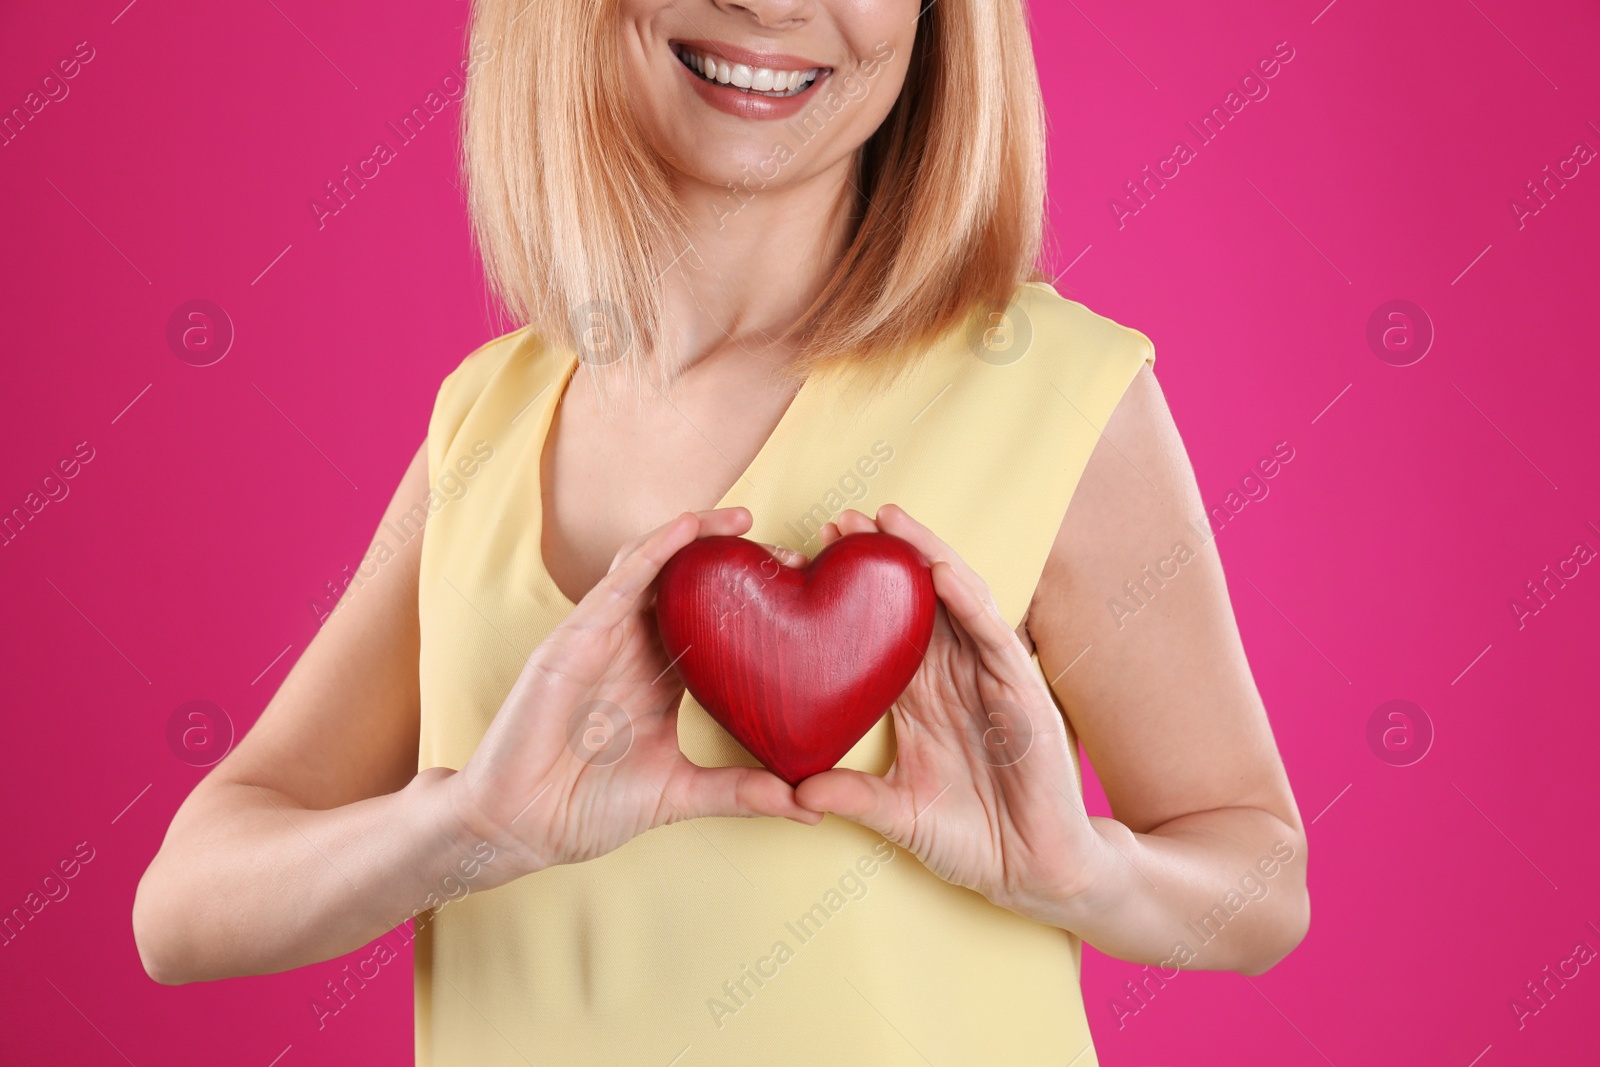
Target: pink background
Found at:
1381, 565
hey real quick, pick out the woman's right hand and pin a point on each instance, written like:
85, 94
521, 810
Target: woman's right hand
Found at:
583, 755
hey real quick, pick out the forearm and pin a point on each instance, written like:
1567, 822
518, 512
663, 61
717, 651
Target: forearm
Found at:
1216, 890
249, 883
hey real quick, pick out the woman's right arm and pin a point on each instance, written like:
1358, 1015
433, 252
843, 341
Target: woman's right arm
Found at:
316, 834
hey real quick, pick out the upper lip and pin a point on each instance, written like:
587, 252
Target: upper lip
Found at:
735, 54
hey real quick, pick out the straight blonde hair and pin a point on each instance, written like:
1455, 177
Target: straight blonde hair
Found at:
574, 217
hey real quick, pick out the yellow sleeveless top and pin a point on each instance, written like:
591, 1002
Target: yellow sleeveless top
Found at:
755, 941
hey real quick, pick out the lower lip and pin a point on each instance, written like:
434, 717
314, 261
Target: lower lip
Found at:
750, 105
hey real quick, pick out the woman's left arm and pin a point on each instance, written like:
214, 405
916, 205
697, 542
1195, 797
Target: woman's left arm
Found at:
1203, 866
1161, 695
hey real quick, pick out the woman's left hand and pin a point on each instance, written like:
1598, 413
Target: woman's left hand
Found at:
982, 789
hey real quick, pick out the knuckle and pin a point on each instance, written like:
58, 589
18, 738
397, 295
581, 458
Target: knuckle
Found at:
627, 549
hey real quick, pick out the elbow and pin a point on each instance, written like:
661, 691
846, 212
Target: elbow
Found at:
1294, 923
159, 972
1291, 918
155, 936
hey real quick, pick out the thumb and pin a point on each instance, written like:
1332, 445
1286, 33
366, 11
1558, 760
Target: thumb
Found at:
742, 792
862, 798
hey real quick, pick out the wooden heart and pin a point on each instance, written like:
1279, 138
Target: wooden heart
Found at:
797, 663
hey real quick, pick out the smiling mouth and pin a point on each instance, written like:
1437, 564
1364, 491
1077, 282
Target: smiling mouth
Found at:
757, 81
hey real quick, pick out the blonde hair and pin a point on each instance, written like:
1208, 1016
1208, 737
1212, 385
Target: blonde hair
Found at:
573, 212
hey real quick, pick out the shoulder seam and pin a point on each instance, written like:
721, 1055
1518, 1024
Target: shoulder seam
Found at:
1138, 338
511, 339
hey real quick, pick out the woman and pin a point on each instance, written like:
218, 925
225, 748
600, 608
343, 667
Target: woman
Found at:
777, 264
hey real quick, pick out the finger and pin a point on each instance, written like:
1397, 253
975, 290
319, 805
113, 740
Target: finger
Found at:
851, 521
720, 522
710, 792
862, 798
892, 518
626, 587
943, 625
714, 522
973, 609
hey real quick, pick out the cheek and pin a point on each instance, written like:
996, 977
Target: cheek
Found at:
643, 59
841, 118
882, 30
883, 40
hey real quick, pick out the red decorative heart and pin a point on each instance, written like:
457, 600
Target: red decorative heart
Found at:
797, 663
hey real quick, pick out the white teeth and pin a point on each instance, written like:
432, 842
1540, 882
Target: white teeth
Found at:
751, 79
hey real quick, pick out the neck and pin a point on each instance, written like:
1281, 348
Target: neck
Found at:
754, 261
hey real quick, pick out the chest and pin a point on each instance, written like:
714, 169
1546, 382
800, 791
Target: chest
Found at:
983, 459
611, 472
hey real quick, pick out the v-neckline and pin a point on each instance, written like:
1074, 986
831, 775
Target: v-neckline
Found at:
541, 438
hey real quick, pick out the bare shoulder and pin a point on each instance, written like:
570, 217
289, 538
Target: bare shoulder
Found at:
1137, 492
1133, 623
